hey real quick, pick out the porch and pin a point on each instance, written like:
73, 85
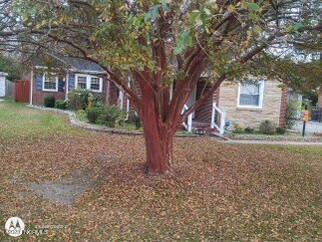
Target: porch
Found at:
216, 125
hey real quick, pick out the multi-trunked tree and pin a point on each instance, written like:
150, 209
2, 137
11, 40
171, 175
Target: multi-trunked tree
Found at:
165, 47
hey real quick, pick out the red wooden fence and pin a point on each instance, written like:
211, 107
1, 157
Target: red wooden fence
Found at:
22, 91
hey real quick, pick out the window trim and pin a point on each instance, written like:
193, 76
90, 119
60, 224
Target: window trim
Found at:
261, 97
88, 82
76, 80
100, 79
43, 83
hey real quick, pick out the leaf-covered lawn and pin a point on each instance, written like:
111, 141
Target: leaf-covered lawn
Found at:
216, 191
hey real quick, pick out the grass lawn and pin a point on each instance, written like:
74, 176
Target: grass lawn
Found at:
216, 191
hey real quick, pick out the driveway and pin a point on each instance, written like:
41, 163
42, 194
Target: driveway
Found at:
312, 127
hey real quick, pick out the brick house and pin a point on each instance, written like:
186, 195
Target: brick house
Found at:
250, 104
244, 104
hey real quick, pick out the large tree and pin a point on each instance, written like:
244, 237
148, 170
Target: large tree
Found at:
165, 44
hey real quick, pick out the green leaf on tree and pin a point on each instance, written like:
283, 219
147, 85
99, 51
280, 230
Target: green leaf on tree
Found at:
185, 40
253, 6
298, 26
153, 13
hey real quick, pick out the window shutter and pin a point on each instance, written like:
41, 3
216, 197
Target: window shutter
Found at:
71, 81
61, 85
39, 82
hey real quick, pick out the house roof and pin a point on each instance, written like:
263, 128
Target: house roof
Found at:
83, 65
73, 63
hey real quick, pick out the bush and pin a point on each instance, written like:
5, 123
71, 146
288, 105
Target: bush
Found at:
292, 113
267, 127
61, 104
78, 99
238, 129
93, 113
82, 115
134, 118
249, 130
91, 101
111, 116
280, 130
49, 101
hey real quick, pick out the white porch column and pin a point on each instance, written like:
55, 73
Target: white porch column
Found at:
121, 98
67, 85
31, 86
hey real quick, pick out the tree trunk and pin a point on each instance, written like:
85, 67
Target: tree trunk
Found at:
158, 141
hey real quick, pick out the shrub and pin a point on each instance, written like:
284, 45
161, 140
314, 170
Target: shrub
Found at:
292, 113
91, 101
237, 128
93, 113
249, 130
49, 101
134, 119
267, 127
61, 104
111, 116
78, 99
280, 130
82, 115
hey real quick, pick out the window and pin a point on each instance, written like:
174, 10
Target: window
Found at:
50, 82
251, 95
82, 82
95, 84
92, 83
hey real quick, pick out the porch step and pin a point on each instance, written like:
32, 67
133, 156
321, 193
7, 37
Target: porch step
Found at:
197, 124
207, 131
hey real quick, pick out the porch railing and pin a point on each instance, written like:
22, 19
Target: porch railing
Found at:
218, 118
187, 124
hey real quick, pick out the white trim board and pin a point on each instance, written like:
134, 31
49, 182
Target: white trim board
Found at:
43, 84
74, 70
88, 82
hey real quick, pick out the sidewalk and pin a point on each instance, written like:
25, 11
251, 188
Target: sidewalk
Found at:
264, 142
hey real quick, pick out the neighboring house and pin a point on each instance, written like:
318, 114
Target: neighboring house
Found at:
65, 74
246, 105
3, 84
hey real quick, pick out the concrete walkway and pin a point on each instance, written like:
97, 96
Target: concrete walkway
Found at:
264, 142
